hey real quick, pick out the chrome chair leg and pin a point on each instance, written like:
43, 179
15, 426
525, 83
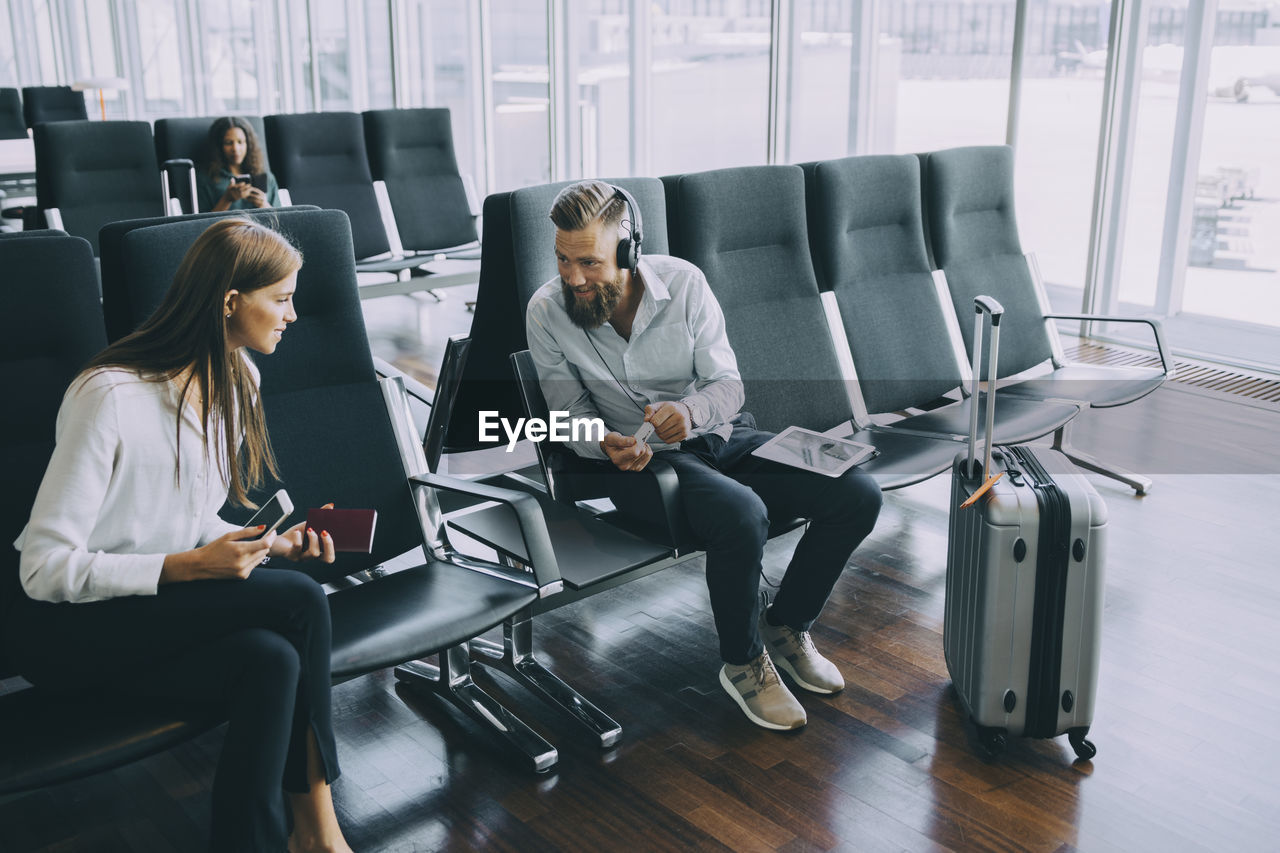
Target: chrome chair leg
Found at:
515, 657
1137, 482
451, 681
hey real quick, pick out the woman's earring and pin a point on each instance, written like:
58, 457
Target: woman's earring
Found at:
228, 315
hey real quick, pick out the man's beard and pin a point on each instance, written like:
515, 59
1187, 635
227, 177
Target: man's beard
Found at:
594, 312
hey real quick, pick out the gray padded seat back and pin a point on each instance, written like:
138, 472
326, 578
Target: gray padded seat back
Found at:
533, 233
411, 151
974, 235
867, 238
188, 139
132, 285
320, 159
97, 172
319, 388
745, 229
52, 103
12, 125
52, 325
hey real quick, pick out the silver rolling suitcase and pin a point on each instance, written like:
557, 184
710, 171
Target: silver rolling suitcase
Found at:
1024, 583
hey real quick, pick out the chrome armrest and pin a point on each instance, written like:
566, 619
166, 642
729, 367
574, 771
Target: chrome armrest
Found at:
1157, 329
533, 527
413, 387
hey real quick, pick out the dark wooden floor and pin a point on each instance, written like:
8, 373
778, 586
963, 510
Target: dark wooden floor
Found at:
1186, 728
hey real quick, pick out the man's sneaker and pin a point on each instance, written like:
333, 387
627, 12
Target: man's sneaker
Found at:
794, 652
761, 694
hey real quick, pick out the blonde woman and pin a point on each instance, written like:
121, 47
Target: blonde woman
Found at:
133, 583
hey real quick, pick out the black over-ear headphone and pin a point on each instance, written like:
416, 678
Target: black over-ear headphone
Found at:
629, 246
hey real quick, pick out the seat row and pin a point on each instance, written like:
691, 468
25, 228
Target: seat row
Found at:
91, 173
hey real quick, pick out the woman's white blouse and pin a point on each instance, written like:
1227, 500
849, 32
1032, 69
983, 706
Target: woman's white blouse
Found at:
110, 506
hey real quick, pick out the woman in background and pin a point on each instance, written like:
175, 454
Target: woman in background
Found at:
235, 166
136, 587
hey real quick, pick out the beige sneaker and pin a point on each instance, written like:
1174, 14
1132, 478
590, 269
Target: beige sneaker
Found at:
761, 694
794, 652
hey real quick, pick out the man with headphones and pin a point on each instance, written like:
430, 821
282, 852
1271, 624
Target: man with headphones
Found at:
640, 342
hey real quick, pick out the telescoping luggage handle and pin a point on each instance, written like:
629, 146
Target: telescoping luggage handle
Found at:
993, 309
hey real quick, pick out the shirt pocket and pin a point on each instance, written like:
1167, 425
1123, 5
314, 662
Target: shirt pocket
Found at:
667, 355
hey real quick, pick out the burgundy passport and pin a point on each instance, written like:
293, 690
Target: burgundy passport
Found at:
350, 529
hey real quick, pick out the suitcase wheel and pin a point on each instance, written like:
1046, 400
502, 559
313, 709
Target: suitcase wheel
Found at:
1085, 750
992, 740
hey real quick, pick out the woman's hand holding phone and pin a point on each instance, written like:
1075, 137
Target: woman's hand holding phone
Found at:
232, 555
302, 543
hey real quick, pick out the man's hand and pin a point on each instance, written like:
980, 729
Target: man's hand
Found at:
625, 452
671, 420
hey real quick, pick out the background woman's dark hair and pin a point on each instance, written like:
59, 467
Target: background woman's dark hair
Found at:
187, 335
252, 149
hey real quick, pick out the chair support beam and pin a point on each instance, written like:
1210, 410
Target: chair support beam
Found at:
451, 681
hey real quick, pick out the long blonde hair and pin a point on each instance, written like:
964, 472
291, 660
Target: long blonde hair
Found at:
187, 335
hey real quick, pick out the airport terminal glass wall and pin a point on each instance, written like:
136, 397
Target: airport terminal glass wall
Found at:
952, 64
598, 61
8, 59
1233, 268
667, 86
821, 89
441, 42
710, 84
240, 57
1158, 91
1059, 116
521, 140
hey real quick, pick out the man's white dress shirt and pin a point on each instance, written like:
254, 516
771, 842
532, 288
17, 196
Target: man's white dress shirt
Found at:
678, 351
110, 506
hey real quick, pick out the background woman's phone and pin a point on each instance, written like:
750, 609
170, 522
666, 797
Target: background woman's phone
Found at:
259, 181
273, 512
242, 179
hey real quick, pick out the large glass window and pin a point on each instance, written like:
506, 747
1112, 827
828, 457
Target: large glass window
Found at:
519, 124
1059, 115
822, 48
710, 84
442, 71
1149, 169
1234, 263
599, 47
159, 40
8, 59
94, 39
237, 45
952, 60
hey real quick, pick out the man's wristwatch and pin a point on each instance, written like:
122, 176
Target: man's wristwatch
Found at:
696, 414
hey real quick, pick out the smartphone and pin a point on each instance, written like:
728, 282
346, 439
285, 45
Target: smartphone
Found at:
259, 181
273, 512
242, 179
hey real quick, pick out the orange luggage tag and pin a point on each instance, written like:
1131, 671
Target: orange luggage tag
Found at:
982, 490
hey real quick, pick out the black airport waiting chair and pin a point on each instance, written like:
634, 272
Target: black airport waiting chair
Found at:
321, 159
411, 152
868, 244
182, 146
42, 104
12, 124
745, 229
973, 234
89, 173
